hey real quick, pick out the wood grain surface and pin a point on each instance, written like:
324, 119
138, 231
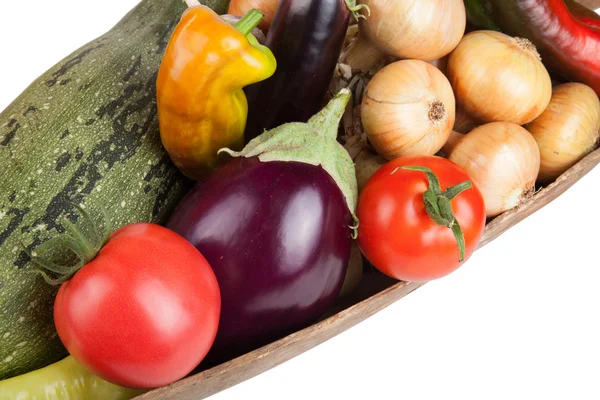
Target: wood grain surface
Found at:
376, 292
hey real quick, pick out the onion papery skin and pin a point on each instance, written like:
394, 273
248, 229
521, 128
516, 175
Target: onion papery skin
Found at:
503, 160
567, 130
407, 109
423, 29
497, 78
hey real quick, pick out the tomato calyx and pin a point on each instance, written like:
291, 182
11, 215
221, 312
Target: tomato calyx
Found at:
438, 207
76, 242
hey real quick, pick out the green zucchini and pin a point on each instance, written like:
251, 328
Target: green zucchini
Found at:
86, 129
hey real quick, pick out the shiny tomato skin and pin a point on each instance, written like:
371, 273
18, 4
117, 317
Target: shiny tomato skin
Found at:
144, 312
396, 234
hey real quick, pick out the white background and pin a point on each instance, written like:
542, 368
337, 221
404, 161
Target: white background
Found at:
519, 321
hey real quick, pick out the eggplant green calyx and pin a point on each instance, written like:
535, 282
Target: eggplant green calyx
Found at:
83, 248
438, 207
356, 9
249, 21
314, 143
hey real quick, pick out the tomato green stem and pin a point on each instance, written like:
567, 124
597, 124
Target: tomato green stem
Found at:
79, 243
438, 206
454, 191
84, 248
249, 21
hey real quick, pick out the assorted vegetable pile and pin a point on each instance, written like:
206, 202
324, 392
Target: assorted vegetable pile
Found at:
110, 248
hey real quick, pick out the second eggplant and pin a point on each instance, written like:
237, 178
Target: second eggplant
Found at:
306, 37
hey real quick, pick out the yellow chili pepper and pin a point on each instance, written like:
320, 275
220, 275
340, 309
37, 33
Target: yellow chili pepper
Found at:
201, 105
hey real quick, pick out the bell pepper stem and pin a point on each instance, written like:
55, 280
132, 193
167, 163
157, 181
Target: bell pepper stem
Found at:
249, 21
438, 207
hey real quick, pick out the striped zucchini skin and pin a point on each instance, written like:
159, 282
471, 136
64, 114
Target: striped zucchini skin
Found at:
86, 129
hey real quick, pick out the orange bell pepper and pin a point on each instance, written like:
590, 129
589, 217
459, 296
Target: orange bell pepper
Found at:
201, 105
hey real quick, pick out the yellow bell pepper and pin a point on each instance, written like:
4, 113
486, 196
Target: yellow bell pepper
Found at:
201, 105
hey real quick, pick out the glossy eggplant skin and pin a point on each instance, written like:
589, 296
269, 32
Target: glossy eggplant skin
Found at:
306, 37
276, 235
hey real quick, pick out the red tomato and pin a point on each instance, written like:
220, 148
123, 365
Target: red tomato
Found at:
144, 312
397, 235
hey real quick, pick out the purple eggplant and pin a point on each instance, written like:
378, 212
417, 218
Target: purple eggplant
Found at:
275, 223
306, 37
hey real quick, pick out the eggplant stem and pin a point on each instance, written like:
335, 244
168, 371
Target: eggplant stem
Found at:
354, 227
327, 121
356, 9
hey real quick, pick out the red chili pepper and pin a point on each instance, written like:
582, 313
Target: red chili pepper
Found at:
584, 14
